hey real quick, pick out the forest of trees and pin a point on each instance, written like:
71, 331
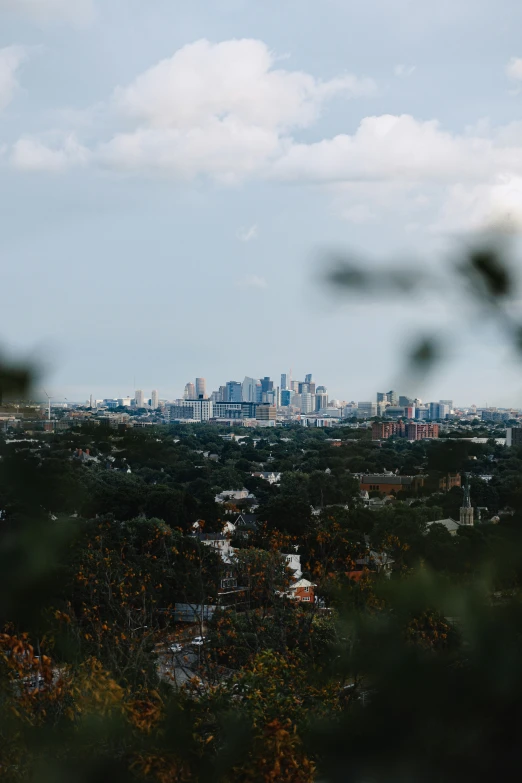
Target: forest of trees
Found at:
96, 554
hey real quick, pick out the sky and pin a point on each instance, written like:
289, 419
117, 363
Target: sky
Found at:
175, 179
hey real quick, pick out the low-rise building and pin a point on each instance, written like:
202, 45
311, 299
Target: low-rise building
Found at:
293, 562
230, 495
401, 429
514, 436
390, 482
303, 591
271, 477
266, 412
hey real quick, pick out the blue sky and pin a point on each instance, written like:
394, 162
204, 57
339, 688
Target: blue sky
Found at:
174, 175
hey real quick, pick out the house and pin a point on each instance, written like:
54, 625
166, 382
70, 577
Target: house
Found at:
303, 591
375, 504
245, 523
271, 477
230, 495
220, 542
246, 520
450, 525
84, 456
381, 562
293, 562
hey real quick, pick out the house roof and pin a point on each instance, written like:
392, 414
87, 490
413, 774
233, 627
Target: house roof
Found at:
302, 583
449, 524
246, 519
356, 575
209, 536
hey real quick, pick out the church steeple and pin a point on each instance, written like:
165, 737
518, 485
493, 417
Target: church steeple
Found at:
466, 510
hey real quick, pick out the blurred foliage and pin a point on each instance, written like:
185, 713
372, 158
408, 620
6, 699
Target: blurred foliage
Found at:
481, 275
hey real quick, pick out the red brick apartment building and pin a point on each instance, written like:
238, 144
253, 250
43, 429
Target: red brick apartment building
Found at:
389, 482
400, 429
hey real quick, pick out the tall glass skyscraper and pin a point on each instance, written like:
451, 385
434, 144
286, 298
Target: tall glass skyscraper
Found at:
233, 391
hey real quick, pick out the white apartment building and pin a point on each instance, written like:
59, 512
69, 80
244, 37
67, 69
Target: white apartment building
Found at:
197, 410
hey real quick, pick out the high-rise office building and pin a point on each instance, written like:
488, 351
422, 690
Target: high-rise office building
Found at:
286, 397
438, 410
190, 392
269, 397
201, 389
284, 381
233, 392
154, 399
308, 378
249, 390
365, 410
404, 401
382, 397
139, 399
266, 384
296, 400
222, 394
392, 397
321, 399
307, 402
449, 403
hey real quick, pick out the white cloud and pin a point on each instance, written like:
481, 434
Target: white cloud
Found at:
403, 71
219, 109
205, 82
227, 112
224, 149
248, 234
514, 69
11, 57
253, 281
398, 148
72, 11
30, 154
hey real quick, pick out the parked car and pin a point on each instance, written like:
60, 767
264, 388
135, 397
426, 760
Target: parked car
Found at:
175, 648
199, 641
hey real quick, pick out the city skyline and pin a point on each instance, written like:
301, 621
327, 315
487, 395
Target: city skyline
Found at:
189, 392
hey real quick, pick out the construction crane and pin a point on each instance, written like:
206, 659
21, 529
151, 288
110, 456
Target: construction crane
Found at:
48, 405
